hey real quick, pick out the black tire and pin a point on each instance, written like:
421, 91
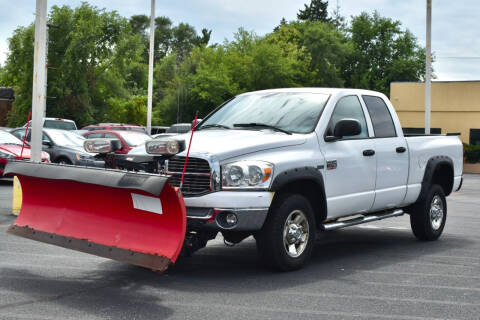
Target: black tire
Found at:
63, 160
424, 218
270, 240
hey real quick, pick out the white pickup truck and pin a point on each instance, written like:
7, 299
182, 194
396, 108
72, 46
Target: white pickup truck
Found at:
283, 164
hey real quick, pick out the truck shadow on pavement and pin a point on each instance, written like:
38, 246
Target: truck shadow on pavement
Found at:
123, 291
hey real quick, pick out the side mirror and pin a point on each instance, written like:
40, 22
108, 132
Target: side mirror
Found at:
344, 128
102, 145
47, 143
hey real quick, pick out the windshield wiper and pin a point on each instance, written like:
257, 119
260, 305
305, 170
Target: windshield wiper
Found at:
262, 125
214, 125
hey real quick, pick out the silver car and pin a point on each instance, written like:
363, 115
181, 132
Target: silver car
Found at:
65, 147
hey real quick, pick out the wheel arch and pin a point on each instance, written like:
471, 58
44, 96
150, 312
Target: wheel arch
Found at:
307, 181
439, 170
62, 156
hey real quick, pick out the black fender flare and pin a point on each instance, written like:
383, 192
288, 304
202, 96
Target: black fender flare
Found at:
308, 173
430, 168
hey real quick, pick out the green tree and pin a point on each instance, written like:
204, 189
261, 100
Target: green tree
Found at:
325, 48
211, 75
17, 73
131, 110
382, 53
89, 54
315, 11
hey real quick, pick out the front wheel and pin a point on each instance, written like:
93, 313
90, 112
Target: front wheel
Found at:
64, 161
428, 217
287, 238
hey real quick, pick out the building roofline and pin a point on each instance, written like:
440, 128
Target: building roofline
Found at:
436, 81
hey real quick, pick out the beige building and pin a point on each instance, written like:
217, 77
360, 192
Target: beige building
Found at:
455, 107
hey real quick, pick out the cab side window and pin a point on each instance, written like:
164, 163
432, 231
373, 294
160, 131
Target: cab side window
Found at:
381, 118
348, 107
46, 138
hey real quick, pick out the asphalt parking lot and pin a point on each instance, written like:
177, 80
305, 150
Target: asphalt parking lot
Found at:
375, 271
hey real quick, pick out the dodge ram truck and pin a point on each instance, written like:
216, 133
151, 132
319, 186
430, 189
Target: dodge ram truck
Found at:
283, 164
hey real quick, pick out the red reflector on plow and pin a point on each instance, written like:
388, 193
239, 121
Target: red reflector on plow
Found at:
134, 218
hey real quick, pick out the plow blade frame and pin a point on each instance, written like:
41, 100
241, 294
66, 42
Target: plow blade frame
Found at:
130, 217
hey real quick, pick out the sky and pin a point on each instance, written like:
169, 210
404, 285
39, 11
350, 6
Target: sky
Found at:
455, 24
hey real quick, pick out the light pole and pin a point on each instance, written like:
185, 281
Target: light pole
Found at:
39, 80
428, 71
150, 68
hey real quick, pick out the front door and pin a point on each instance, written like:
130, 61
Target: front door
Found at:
350, 163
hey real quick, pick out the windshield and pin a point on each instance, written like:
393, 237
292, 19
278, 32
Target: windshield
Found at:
59, 124
6, 137
66, 138
134, 138
291, 111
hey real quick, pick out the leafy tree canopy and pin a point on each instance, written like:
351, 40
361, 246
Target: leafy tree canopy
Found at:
98, 62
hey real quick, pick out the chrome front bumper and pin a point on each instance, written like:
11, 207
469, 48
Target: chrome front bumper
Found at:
249, 207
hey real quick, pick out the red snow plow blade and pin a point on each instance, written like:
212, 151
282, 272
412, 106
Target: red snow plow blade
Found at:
130, 217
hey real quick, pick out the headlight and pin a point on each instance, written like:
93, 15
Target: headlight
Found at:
82, 156
97, 146
7, 155
166, 147
102, 145
247, 175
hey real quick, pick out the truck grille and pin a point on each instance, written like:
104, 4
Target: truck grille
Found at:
197, 175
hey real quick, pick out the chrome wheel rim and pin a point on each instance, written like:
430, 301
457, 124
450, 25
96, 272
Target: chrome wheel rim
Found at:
295, 233
436, 212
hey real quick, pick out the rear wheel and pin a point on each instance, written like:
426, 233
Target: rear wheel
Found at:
428, 217
287, 238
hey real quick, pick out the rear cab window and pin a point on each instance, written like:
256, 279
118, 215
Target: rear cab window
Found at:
59, 124
382, 121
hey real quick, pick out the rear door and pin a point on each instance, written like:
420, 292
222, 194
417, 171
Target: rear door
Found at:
350, 164
391, 155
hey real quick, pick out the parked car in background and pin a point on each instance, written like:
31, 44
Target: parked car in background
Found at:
179, 128
57, 123
11, 149
64, 147
158, 129
129, 139
115, 126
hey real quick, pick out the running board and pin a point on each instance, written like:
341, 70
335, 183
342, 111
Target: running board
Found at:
352, 222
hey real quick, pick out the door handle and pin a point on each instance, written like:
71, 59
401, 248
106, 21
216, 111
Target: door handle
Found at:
368, 152
401, 149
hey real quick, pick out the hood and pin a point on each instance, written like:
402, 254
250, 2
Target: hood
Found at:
17, 149
225, 144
